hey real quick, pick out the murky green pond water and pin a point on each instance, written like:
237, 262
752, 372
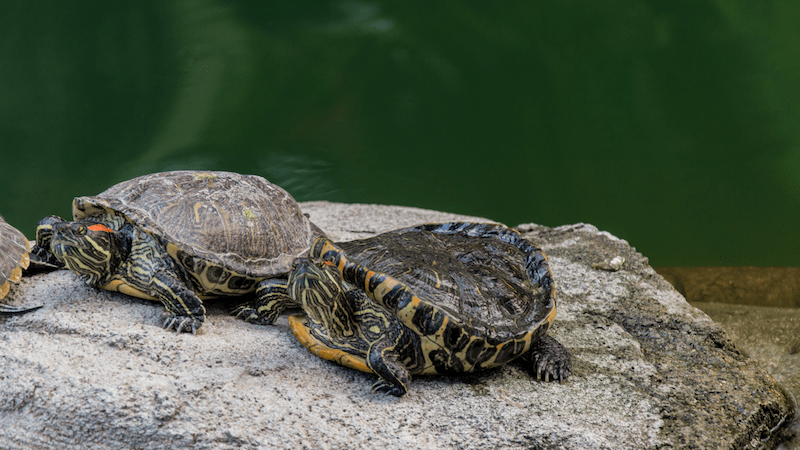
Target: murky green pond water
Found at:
670, 124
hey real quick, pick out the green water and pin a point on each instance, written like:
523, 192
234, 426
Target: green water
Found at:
672, 124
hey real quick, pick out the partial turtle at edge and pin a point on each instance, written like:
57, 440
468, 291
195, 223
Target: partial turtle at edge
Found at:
14, 259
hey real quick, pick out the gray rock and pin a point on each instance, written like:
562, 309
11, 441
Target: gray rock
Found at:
93, 369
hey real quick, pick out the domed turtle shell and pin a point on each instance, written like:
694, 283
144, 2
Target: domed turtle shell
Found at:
14, 256
484, 281
241, 222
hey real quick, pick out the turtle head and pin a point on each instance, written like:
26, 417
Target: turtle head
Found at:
86, 247
44, 231
41, 254
321, 292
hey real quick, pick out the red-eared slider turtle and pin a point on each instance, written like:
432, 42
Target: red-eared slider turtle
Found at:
456, 297
14, 258
183, 236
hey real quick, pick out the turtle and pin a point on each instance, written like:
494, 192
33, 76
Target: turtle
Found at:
430, 299
181, 237
14, 259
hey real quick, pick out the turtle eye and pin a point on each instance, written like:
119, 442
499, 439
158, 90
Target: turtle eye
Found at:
80, 230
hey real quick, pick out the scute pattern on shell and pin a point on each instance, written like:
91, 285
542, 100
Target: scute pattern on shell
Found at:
14, 258
242, 222
498, 289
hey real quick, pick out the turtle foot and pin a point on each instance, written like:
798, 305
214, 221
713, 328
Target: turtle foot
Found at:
42, 261
550, 361
181, 324
250, 314
388, 388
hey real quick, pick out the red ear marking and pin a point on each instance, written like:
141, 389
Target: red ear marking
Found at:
101, 227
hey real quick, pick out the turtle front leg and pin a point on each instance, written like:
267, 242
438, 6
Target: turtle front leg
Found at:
272, 299
384, 358
42, 257
6, 309
186, 311
549, 360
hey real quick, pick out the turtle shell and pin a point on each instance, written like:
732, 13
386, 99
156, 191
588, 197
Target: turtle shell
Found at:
14, 256
483, 278
241, 222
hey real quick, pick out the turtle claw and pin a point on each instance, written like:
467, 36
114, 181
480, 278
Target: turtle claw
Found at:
244, 312
545, 370
182, 324
43, 261
251, 315
550, 361
548, 369
388, 388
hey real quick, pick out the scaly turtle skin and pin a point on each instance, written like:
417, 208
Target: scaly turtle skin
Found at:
456, 297
183, 236
14, 258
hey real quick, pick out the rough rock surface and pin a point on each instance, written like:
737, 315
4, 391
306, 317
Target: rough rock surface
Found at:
93, 369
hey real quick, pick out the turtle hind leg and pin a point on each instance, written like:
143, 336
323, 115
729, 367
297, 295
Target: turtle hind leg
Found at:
549, 360
272, 299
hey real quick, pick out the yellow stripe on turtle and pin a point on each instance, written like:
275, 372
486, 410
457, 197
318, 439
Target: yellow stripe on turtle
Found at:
127, 289
317, 347
326, 246
24, 262
16, 273
552, 316
168, 289
4, 289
